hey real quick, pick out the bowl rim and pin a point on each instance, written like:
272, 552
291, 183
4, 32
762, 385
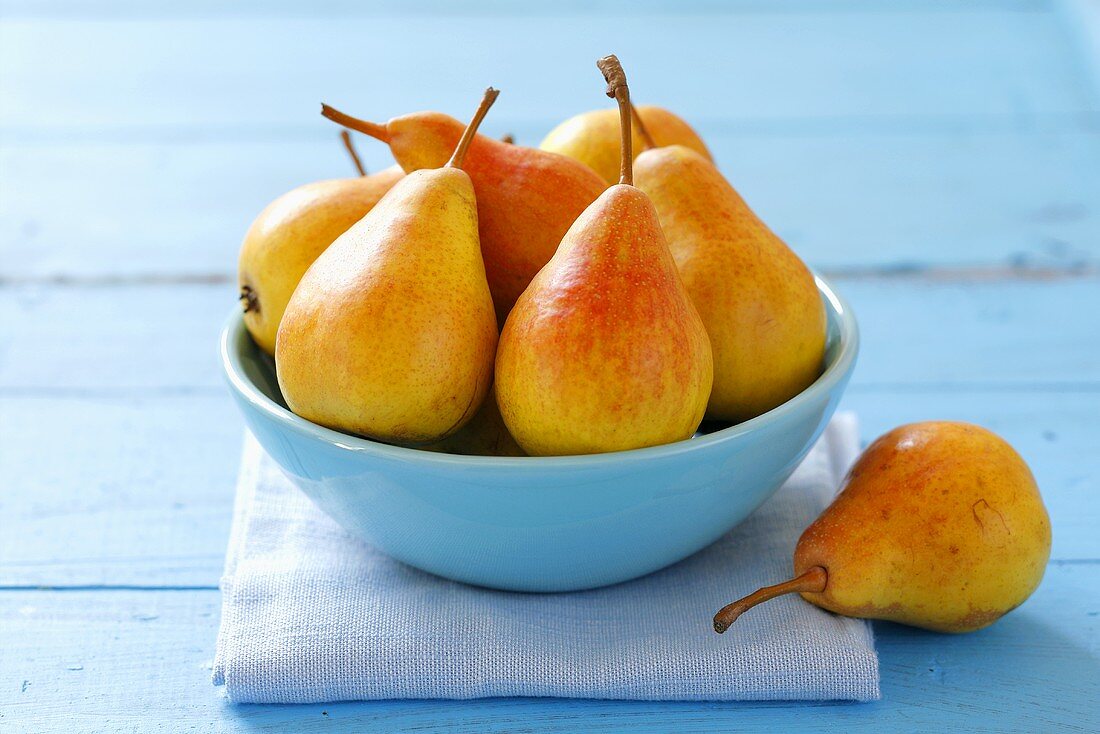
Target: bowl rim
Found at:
841, 367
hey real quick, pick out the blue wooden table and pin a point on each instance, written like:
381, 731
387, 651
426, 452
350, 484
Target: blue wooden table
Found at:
941, 161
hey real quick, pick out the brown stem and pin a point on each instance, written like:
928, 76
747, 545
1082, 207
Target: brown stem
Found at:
647, 139
508, 138
346, 137
376, 131
468, 134
813, 580
249, 301
615, 77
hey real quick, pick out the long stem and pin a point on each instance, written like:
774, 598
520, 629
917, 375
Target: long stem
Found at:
459, 156
376, 131
813, 580
615, 77
647, 139
350, 146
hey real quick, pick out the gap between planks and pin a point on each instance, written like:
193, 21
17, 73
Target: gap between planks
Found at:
23, 588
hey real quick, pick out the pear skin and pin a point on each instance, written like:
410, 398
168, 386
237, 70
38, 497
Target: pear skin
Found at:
391, 332
526, 198
593, 137
604, 350
758, 300
290, 234
938, 525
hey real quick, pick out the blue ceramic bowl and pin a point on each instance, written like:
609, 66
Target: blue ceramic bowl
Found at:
547, 523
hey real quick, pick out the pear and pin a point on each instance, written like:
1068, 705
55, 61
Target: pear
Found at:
391, 332
484, 435
604, 350
526, 198
758, 300
593, 137
291, 232
938, 525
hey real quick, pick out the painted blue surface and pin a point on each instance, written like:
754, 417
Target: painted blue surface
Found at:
940, 160
562, 523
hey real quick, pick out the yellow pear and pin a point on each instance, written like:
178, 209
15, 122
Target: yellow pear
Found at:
938, 525
526, 198
603, 351
758, 300
391, 332
288, 236
593, 137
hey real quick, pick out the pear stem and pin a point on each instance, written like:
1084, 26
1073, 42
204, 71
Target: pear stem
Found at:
814, 580
350, 146
459, 156
249, 300
647, 139
376, 131
615, 77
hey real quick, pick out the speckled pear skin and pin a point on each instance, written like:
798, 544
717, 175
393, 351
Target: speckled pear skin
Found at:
290, 233
758, 300
526, 198
939, 525
391, 333
593, 137
604, 350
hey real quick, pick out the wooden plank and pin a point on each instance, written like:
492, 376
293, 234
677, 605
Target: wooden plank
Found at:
1005, 199
916, 332
976, 334
144, 494
148, 337
248, 74
117, 491
1082, 18
104, 660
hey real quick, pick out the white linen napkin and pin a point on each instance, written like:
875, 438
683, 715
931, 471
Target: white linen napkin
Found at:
312, 614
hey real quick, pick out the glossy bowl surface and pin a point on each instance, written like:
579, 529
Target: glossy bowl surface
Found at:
546, 523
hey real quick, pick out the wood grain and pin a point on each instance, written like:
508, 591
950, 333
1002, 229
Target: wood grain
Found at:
876, 201
249, 74
141, 660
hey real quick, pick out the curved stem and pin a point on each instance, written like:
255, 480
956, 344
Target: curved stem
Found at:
647, 139
376, 131
615, 77
350, 146
813, 580
459, 156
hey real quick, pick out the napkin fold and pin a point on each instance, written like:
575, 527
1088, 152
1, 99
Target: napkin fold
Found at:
312, 614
